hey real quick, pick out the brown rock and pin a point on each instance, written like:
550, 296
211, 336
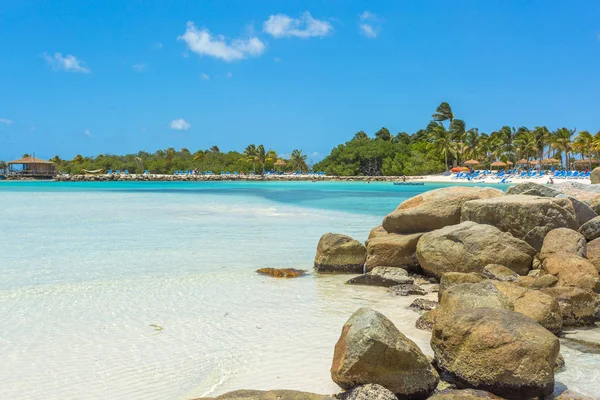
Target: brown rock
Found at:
595, 175
593, 253
465, 394
572, 271
564, 240
454, 278
367, 392
281, 272
377, 231
499, 273
340, 253
393, 250
570, 395
591, 229
577, 306
423, 305
268, 395
382, 276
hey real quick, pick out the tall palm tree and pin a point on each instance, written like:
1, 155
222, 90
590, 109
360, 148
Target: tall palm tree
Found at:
525, 145
507, 135
200, 155
585, 141
215, 149
299, 160
443, 113
542, 138
473, 143
57, 161
441, 142
457, 133
250, 154
561, 141
3, 166
78, 159
263, 156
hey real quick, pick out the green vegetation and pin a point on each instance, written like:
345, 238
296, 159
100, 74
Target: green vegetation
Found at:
447, 142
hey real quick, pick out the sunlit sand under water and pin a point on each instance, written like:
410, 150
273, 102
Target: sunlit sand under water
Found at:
153, 295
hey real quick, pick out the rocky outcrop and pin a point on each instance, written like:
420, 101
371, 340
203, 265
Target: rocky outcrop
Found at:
367, 392
593, 253
382, 276
576, 305
393, 250
340, 253
268, 395
434, 209
469, 247
281, 272
583, 212
591, 229
372, 350
499, 273
540, 307
595, 176
449, 279
465, 394
564, 240
572, 271
525, 217
377, 231
533, 189
478, 348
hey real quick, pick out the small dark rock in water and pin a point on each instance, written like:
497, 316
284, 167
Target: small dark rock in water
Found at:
382, 276
465, 394
281, 272
426, 321
408, 289
370, 391
422, 305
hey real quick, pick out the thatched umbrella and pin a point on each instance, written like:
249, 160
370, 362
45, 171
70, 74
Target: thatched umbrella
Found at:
587, 161
549, 161
471, 162
509, 163
534, 162
523, 161
279, 163
498, 164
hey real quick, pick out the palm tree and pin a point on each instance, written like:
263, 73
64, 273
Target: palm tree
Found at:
360, 135
200, 155
542, 138
250, 155
170, 154
263, 156
78, 159
215, 149
443, 113
526, 145
26, 155
185, 151
441, 142
299, 160
507, 135
3, 166
561, 141
585, 142
57, 161
458, 133
473, 143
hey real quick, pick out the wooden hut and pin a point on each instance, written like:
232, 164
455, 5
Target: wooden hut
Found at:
32, 167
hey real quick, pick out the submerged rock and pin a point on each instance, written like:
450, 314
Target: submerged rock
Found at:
393, 250
564, 240
500, 351
434, 209
281, 272
372, 350
382, 276
367, 392
340, 253
525, 217
268, 395
469, 247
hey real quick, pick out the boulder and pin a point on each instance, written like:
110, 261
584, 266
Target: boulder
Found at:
382, 276
594, 204
500, 351
434, 209
372, 350
340, 253
593, 253
449, 279
570, 395
564, 240
474, 295
393, 250
469, 247
499, 273
465, 394
268, 395
542, 282
591, 229
407, 289
425, 322
572, 271
422, 305
377, 231
525, 217
533, 189
583, 212
367, 392
595, 176
576, 305
540, 307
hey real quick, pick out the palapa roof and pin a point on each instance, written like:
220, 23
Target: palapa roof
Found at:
30, 160
586, 161
498, 164
279, 163
522, 161
550, 161
471, 162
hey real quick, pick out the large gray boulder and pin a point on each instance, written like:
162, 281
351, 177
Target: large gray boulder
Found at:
340, 253
434, 209
533, 189
591, 229
572, 271
500, 351
564, 240
469, 247
393, 250
525, 217
583, 212
383, 276
372, 350
577, 306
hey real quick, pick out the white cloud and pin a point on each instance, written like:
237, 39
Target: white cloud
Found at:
87, 133
201, 41
369, 25
281, 25
205, 76
139, 67
6, 121
180, 124
67, 63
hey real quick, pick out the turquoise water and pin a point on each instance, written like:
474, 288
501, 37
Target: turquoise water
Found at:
147, 290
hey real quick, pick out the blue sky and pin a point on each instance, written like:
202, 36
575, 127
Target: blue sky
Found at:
121, 76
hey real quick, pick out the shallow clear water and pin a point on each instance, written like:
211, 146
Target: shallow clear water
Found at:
148, 290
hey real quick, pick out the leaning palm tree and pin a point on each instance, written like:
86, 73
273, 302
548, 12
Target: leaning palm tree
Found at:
473, 143
78, 159
299, 160
585, 141
263, 156
507, 135
250, 155
542, 138
443, 113
458, 134
215, 149
525, 145
200, 155
441, 142
561, 142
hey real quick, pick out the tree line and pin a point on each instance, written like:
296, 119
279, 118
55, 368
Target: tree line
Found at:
447, 141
